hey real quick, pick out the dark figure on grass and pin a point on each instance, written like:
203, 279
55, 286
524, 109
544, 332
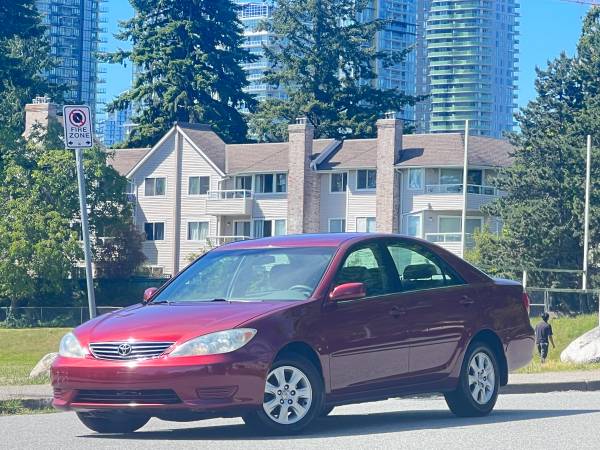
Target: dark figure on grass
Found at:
543, 336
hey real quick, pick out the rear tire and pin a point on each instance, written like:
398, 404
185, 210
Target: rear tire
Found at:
478, 385
118, 423
293, 398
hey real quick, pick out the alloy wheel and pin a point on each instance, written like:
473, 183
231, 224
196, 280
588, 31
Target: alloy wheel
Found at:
482, 378
288, 395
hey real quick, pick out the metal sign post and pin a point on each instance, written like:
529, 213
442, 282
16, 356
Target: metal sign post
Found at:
78, 135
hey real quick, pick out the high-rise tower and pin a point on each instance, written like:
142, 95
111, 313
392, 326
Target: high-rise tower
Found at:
468, 65
399, 34
75, 28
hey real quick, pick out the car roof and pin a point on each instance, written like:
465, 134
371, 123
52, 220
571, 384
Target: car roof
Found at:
301, 240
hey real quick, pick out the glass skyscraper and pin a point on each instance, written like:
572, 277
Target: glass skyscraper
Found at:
398, 35
467, 64
75, 29
251, 14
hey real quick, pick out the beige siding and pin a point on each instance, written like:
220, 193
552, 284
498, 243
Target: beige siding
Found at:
360, 203
333, 204
270, 206
193, 207
158, 208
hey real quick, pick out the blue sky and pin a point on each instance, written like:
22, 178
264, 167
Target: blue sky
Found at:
547, 28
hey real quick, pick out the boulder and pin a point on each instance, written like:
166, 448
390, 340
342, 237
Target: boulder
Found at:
43, 366
583, 350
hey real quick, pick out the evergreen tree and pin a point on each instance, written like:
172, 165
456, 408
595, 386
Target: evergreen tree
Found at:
543, 211
188, 57
24, 57
324, 57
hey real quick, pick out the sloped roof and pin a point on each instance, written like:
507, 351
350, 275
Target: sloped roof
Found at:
423, 150
447, 149
125, 159
264, 157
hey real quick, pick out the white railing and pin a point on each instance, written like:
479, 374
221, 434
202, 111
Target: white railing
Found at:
447, 237
229, 194
216, 241
458, 188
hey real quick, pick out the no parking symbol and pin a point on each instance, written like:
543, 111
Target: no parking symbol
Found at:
78, 128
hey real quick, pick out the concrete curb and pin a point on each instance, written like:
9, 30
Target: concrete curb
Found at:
540, 388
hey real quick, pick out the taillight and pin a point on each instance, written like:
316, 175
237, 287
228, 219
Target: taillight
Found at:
526, 301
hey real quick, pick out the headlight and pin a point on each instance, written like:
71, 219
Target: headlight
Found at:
71, 348
215, 343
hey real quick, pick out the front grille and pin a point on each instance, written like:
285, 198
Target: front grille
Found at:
127, 397
124, 351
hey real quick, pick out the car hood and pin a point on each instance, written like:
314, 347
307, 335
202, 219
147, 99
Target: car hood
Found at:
176, 322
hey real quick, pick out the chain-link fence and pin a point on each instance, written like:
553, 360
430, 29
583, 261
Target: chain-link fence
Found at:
47, 316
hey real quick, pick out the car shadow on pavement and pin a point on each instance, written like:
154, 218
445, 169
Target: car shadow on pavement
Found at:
348, 425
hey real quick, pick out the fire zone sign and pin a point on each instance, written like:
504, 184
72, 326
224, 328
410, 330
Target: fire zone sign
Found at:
78, 126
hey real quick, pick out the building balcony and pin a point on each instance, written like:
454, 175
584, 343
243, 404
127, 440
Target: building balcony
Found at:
450, 241
217, 241
236, 202
449, 197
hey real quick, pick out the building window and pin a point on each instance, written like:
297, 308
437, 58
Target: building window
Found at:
337, 225
155, 231
271, 182
338, 182
264, 183
366, 224
155, 186
413, 225
267, 228
198, 185
366, 179
244, 182
241, 228
197, 231
415, 179
281, 182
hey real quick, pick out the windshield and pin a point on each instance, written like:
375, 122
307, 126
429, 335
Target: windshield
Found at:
251, 274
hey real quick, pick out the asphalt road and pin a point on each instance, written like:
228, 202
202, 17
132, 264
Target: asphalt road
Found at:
562, 420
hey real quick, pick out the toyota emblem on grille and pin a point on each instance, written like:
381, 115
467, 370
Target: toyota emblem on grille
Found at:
124, 349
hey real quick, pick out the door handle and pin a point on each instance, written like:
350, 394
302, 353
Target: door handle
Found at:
397, 312
466, 300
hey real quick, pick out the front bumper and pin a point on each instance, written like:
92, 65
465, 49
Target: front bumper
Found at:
209, 384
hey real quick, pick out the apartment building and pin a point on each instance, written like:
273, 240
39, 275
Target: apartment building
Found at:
193, 192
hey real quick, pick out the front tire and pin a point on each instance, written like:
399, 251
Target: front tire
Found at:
293, 397
479, 382
119, 423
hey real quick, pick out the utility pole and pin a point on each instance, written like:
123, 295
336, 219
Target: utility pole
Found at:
463, 234
78, 135
586, 214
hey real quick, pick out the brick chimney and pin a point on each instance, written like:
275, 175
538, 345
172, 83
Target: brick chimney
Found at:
41, 112
303, 182
389, 147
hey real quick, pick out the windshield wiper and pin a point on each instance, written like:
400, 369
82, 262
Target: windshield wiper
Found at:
160, 302
218, 300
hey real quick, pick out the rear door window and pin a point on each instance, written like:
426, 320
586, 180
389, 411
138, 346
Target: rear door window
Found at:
418, 268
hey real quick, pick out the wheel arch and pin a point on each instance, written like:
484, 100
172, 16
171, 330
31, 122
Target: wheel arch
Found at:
490, 338
303, 349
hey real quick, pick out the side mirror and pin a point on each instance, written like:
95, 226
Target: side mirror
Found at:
348, 291
148, 293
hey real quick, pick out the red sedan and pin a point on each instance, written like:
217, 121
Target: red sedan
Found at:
281, 330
